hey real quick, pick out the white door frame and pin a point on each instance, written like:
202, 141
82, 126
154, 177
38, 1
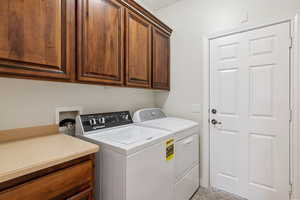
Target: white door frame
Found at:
295, 99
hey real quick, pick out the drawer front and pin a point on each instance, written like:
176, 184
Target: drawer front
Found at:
84, 195
188, 185
186, 154
57, 185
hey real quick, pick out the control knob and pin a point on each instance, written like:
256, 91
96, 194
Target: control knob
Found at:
102, 120
126, 117
93, 122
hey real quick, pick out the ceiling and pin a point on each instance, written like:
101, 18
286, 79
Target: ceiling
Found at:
156, 4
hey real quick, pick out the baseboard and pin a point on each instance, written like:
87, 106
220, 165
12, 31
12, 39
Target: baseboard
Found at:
205, 184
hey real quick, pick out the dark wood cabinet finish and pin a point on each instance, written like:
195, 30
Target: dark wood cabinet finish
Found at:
100, 41
84, 195
160, 60
37, 38
148, 15
138, 51
73, 180
108, 42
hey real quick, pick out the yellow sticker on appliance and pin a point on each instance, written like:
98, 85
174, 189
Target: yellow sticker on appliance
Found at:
169, 149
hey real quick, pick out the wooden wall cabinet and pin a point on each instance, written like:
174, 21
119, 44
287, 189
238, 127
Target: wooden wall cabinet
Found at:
160, 60
111, 42
100, 40
138, 50
37, 38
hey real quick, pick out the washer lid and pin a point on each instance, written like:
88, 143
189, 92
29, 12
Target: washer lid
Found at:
171, 124
130, 135
129, 139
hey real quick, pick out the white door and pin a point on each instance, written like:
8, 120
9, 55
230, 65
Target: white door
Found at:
249, 88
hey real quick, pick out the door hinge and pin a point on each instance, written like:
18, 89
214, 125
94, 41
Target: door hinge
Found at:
291, 42
291, 189
291, 116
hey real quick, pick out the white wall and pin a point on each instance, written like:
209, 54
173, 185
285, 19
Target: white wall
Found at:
145, 5
26, 103
191, 20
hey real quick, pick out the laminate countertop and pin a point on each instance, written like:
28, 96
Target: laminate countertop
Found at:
32, 152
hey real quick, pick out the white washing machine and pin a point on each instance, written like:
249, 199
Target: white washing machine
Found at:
186, 134
133, 162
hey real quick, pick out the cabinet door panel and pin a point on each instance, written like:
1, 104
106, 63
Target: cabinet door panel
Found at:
33, 37
138, 51
161, 60
101, 41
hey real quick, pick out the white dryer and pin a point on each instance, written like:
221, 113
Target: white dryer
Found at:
132, 163
186, 134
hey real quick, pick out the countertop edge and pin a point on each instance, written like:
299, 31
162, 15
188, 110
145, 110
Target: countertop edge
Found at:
40, 166
45, 165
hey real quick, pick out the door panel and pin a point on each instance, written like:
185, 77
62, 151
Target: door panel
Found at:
250, 90
268, 116
228, 91
37, 45
138, 51
261, 95
35, 38
161, 59
225, 78
101, 41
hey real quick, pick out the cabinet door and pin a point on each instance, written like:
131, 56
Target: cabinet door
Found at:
37, 38
161, 60
100, 41
138, 51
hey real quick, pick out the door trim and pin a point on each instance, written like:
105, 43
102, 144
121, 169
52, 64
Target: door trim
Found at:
294, 98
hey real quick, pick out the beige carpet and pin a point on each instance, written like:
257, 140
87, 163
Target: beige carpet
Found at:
213, 194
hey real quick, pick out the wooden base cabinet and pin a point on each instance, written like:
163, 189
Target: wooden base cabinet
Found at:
84, 195
73, 180
37, 38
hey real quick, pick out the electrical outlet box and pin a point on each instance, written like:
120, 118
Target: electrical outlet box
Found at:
244, 18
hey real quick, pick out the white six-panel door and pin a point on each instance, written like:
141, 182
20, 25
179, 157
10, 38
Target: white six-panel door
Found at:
249, 89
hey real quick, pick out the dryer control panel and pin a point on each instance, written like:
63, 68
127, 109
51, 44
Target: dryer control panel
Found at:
148, 114
92, 122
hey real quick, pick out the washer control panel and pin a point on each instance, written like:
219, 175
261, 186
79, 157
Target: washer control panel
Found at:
98, 121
